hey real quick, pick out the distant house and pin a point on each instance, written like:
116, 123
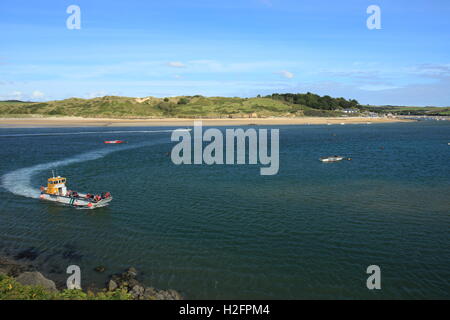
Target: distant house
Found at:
350, 110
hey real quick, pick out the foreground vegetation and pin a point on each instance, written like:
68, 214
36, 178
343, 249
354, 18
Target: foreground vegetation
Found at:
10, 289
279, 105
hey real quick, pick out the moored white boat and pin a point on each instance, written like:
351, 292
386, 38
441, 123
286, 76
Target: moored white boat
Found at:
331, 159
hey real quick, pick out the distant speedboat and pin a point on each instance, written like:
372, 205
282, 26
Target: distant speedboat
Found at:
331, 159
114, 141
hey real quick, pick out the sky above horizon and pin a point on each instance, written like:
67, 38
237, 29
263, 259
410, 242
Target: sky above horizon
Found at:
227, 48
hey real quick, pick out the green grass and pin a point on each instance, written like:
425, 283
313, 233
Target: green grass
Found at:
12, 290
181, 107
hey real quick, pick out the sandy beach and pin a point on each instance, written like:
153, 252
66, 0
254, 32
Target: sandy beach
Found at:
37, 122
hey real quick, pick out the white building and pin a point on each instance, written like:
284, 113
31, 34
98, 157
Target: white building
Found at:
350, 110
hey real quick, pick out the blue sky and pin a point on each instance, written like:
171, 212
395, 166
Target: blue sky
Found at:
227, 48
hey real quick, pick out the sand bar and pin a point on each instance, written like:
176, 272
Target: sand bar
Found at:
48, 122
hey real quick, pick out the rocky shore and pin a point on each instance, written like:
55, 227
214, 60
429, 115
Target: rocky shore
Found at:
127, 280
27, 274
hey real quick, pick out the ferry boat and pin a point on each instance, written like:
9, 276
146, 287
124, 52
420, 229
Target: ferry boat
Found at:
57, 191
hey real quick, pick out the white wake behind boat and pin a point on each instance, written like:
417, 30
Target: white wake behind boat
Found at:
57, 191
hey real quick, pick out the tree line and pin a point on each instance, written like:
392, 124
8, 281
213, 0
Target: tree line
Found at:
315, 101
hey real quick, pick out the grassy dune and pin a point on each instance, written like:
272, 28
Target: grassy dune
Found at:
181, 107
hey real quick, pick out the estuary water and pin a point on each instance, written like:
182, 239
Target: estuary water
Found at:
227, 232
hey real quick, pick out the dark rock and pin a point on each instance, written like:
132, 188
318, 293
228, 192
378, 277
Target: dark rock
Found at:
29, 254
100, 269
56, 269
174, 295
132, 272
127, 280
137, 292
71, 252
168, 295
72, 255
36, 279
16, 270
112, 285
132, 283
13, 268
155, 294
150, 293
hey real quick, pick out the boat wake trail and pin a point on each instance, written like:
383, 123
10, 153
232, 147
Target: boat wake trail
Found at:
19, 181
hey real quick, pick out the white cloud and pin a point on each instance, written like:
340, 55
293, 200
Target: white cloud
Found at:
17, 95
286, 74
14, 95
176, 64
432, 70
37, 94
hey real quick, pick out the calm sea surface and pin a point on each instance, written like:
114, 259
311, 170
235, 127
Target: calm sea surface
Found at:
226, 232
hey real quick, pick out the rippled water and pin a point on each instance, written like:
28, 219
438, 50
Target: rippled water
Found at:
228, 232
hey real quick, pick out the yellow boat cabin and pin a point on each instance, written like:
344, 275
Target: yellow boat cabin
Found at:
57, 186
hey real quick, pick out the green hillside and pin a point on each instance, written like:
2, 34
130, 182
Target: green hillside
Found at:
281, 105
183, 106
409, 110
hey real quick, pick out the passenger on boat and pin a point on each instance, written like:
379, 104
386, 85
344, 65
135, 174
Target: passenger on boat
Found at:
106, 195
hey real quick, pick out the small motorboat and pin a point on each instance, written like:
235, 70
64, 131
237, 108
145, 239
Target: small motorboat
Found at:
114, 141
331, 159
56, 191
